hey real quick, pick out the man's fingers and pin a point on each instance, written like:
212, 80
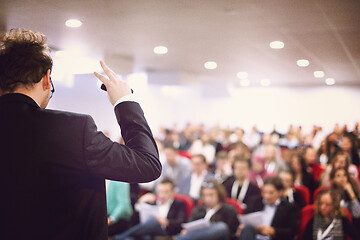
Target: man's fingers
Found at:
101, 77
107, 70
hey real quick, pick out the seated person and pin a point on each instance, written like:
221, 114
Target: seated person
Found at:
280, 219
258, 173
172, 213
119, 207
222, 167
301, 175
191, 184
349, 197
341, 160
239, 186
174, 167
329, 222
214, 208
289, 193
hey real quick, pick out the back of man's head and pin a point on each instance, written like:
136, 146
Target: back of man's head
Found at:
23, 59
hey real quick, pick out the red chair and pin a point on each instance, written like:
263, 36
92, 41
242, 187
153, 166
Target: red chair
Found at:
307, 213
305, 193
235, 204
188, 203
185, 154
318, 190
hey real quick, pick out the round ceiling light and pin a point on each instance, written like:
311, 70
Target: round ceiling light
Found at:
319, 74
160, 50
277, 45
330, 81
73, 23
303, 63
210, 65
242, 75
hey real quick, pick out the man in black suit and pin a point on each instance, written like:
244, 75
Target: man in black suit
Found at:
171, 214
54, 163
280, 218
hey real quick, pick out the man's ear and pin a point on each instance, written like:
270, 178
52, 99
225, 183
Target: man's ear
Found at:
46, 80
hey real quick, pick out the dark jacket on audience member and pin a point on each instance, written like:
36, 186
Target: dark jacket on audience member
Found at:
285, 221
176, 217
253, 190
54, 165
348, 229
226, 214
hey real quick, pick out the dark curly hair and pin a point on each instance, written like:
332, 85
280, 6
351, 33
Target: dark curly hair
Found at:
24, 59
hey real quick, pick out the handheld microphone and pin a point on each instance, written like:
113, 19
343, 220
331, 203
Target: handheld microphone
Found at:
103, 87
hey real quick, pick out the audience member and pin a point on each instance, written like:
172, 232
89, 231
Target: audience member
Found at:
191, 184
289, 193
222, 167
273, 162
239, 186
341, 160
172, 213
119, 207
203, 146
223, 217
258, 173
349, 197
310, 160
174, 167
301, 175
329, 222
280, 218
348, 145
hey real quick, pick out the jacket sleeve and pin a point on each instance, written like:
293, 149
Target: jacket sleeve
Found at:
289, 225
136, 161
174, 226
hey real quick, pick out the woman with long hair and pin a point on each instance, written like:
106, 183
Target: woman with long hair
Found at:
329, 222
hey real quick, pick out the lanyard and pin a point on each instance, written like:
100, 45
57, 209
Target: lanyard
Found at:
243, 190
321, 235
291, 195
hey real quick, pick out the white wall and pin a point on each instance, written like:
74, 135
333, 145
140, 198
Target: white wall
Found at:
246, 107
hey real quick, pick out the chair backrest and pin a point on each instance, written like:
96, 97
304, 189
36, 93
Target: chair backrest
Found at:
236, 205
318, 190
306, 214
188, 203
305, 193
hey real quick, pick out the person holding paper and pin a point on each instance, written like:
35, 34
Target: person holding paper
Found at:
280, 218
222, 216
329, 222
171, 214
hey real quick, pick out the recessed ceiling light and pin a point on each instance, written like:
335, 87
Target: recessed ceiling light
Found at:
265, 82
319, 74
330, 81
160, 50
277, 45
242, 75
244, 82
73, 23
210, 65
303, 63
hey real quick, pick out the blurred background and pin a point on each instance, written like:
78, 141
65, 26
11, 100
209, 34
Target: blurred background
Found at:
235, 63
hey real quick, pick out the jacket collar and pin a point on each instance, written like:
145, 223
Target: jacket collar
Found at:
18, 97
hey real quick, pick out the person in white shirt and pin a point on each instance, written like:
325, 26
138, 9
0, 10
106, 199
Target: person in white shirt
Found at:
171, 214
191, 184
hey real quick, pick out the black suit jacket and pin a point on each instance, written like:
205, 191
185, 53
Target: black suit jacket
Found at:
285, 221
176, 216
226, 214
53, 167
253, 190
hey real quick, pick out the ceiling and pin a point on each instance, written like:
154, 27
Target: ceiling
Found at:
234, 33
